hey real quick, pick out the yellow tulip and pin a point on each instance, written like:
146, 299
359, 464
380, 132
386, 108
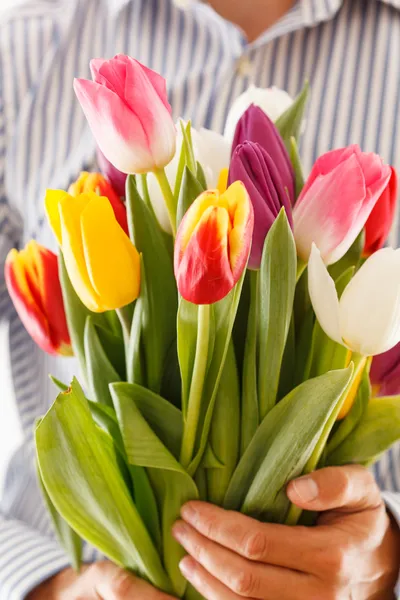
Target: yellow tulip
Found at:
102, 263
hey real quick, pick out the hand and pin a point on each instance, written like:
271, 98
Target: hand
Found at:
100, 581
353, 552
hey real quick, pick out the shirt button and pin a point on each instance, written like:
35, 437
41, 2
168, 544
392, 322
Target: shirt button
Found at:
244, 66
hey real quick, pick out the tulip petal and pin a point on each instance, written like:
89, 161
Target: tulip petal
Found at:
118, 131
152, 113
204, 274
370, 305
323, 296
112, 261
52, 201
329, 215
70, 215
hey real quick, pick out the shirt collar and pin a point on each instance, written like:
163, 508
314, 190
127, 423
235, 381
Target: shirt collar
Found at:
314, 11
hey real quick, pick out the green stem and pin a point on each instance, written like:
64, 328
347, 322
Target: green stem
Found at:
168, 197
294, 513
197, 384
301, 267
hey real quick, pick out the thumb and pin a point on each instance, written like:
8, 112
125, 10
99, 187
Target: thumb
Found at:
348, 489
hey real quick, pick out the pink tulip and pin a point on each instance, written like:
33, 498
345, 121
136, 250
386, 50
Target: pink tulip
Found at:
127, 108
336, 201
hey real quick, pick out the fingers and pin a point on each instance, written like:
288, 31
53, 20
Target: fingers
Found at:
242, 577
347, 489
204, 583
260, 542
106, 581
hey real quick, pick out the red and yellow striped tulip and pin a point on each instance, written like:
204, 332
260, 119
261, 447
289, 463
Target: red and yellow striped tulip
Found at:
213, 243
32, 281
95, 182
102, 263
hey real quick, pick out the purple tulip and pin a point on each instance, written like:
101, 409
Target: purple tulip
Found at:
115, 177
385, 372
256, 126
252, 165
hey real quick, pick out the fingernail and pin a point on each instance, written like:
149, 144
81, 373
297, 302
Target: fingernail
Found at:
187, 567
189, 513
179, 531
305, 488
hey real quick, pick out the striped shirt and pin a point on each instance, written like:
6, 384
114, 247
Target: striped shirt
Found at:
348, 49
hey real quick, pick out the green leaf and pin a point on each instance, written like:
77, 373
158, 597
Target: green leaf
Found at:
282, 446
61, 386
352, 258
113, 346
225, 430
201, 178
224, 317
158, 290
100, 371
276, 295
187, 145
191, 188
346, 426
171, 385
173, 485
164, 418
289, 123
210, 460
135, 361
249, 401
286, 379
80, 471
376, 432
67, 537
296, 163
304, 348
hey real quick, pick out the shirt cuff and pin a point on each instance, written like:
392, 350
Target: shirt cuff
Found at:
392, 501
27, 559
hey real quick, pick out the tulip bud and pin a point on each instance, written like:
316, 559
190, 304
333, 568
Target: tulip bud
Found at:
272, 101
385, 372
127, 108
213, 243
95, 182
32, 281
366, 319
115, 177
379, 223
102, 263
255, 126
336, 201
256, 169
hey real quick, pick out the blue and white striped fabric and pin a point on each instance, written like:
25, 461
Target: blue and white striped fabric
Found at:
349, 50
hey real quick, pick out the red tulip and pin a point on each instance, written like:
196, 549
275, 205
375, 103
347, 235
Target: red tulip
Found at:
95, 182
213, 243
380, 221
33, 284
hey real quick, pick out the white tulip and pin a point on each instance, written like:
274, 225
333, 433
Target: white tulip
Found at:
272, 101
211, 150
366, 319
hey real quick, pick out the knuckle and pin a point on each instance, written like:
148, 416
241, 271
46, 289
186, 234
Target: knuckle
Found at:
122, 584
256, 546
210, 527
338, 564
245, 583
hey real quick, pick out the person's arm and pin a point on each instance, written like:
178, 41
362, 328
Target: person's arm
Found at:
353, 552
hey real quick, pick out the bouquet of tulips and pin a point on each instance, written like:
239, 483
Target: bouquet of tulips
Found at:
224, 315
